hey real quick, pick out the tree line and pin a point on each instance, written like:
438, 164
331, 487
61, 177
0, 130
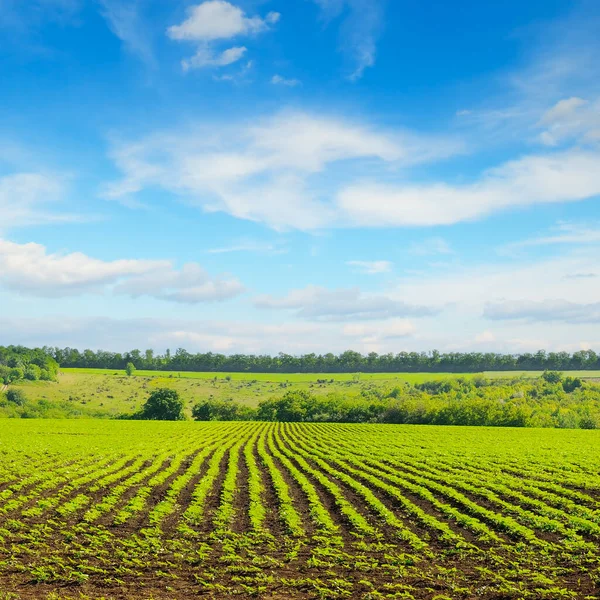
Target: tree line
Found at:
18, 363
346, 362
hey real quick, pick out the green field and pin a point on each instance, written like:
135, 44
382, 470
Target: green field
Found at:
140, 510
108, 392
112, 392
313, 377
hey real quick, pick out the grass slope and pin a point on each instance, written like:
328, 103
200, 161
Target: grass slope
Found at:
112, 392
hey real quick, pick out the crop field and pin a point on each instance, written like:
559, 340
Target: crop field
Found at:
105, 509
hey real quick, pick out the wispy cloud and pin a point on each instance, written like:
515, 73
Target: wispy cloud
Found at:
279, 80
568, 176
30, 199
544, 311
205, 57
250, 246
563, 233
125, 20
361, 26
351, 304
371, 267
271, 170
553, 96
430, 246
571, 120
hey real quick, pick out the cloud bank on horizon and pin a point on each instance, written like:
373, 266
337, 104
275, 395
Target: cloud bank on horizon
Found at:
265, 177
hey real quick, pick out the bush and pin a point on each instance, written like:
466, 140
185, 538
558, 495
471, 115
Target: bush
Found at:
16, 396
11, 374
212, 410
163, 405
570, 384
552, 376
32, 372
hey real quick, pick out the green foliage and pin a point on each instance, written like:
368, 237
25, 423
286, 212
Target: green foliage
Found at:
570, 384
18, 362
347, 362
215, 410
552, 376
16, 396
32, 372
449, 402
130, 369
164, 404
9, 375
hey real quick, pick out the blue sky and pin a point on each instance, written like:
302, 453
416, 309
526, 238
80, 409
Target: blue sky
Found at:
314, 175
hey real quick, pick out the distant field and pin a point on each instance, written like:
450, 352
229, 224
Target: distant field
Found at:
276, 377
165, 511
112, 392
313, 377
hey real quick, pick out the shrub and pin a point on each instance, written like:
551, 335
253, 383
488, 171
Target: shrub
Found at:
570, 384
552, 376
213, 410
16, 396
163, 404
32, 372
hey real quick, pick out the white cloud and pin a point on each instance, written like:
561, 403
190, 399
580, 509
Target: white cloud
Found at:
279, 80
204, 57
371, 267
30, 269
270, 170
24, 199
319, 303
213, 21
571, 119
359, 31
219, 20
430, 246
536, 179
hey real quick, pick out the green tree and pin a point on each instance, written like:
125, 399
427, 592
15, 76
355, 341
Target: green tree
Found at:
214, 410
130, 369
570, 384
32, 372
16, 396
163, 404
552, 376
